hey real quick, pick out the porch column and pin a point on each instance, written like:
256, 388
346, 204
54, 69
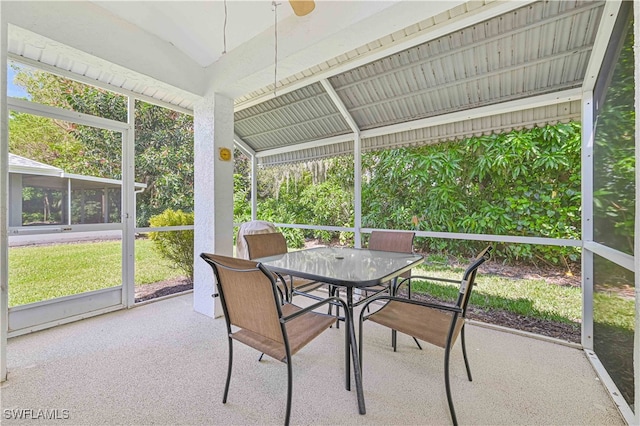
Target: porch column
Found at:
4, 196
213, 194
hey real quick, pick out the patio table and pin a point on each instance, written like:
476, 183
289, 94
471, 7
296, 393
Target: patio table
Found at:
349, 268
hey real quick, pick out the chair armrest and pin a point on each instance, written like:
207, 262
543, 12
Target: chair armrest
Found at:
407, 280
442, 307
303, 311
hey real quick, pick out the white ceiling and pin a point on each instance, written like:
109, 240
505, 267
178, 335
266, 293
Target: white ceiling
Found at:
197, 28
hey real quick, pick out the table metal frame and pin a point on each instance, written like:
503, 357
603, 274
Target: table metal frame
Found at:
349, 268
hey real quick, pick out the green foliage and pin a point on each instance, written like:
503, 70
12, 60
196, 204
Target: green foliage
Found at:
614, 157
294, 237
164, 160
241, 200
523, 183
176, 246
315, 193
42, 139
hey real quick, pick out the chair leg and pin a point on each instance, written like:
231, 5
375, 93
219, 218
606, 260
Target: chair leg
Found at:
347, 360
464, 354
333, 290
289, 389
417, 343
448, 386
226, 386
394, 340
360, 343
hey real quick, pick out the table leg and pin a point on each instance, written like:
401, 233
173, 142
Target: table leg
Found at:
352, 344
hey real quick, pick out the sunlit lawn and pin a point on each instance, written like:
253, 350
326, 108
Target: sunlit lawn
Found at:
44, 272
531, 298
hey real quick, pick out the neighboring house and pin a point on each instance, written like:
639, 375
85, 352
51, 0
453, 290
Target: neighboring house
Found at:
40, 194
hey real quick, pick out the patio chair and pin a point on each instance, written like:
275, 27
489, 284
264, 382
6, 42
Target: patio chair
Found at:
271, 244
435, 323
251, 305
396, 241
399, 242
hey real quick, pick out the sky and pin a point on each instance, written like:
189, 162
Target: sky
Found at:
12, 89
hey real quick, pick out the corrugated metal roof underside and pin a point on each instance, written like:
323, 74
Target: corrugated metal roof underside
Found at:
540, 116
540, 48
424, 26
303, 115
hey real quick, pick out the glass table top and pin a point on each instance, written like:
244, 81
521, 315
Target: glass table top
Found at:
343, 266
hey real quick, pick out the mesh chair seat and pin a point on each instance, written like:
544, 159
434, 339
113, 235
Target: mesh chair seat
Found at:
411, 320
301, 331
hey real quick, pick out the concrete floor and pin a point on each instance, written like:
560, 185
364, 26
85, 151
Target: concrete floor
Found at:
164, 364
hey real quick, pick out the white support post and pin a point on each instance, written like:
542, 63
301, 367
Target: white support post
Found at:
254, 187
15, 199
587, 219
357, 181
213, 193
69, 204
128, 207
4, 197
357, 160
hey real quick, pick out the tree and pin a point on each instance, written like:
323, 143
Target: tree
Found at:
164, 160
42, 139
164, 140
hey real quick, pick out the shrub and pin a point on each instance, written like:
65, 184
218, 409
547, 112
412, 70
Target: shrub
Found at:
176, 246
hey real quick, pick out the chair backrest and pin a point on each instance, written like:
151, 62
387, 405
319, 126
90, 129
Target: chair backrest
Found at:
248, 294
399, 242
263, 245
248, 228
469, 278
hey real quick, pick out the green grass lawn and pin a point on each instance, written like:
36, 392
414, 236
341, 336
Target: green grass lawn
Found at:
44, 272
532, 298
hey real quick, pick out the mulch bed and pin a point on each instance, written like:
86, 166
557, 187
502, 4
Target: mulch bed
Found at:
162, 288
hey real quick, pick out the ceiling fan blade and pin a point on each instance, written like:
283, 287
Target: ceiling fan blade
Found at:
302, 7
